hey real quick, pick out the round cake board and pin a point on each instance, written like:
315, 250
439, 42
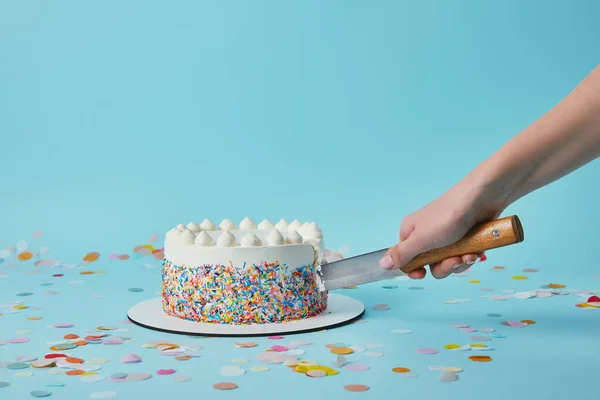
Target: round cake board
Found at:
341, 310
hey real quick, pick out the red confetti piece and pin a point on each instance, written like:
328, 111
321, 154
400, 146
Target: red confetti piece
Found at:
594, 299
483, 258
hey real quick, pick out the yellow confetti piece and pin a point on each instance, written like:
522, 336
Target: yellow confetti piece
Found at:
20, 307
452, 369
305, 368
34, 318
477, 345
474, 281
519, 277
451, 346
400, 370
498, 268
89, 373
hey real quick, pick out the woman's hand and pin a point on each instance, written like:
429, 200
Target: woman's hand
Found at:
440, 223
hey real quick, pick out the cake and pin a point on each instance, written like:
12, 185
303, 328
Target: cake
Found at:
245, 274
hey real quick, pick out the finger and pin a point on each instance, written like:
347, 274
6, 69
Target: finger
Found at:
418, 273
445, 268
469, 259
403, 252
406, 228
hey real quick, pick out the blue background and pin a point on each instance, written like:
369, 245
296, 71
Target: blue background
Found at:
122, 118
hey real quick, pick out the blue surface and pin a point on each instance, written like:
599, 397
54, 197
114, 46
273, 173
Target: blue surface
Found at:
118, 119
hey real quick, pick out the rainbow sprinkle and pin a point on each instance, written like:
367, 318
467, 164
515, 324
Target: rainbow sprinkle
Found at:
252, 294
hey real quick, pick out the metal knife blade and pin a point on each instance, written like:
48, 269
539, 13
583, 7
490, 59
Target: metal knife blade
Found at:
353, 271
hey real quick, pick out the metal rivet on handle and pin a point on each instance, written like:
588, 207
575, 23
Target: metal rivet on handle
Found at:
496, 233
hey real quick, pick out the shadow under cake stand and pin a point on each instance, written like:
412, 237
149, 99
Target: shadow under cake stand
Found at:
341, 310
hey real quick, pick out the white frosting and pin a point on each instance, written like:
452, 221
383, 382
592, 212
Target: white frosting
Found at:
282, 225
241, 247
247, 224
293, 237
227, 225
250, 240
275, 238
266, 225
227, 239
295, 224
203, 239
187, 237
208, 225
310, 231
193, 227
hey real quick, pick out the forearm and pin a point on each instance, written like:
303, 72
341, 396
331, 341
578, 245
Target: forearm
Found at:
563, 140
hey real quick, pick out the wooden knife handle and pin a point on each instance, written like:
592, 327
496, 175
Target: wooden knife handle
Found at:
489, 235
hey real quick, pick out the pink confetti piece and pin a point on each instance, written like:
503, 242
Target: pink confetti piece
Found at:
381, 307
427, 350
467, 330
279, 348
112, 341
515, 324
275, 337
357, 367
113, 256
19, 340
486, 330
459, 325
181, 378
153, 238
165, 371
131, 358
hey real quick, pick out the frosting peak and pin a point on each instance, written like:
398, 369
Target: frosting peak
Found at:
294, 237
250, 240
226, 240
266, 225
207, 225
227, 225
275, 238
282, 225
193, 227
181, 227
204, 239
295, 224
247, 224
188, 237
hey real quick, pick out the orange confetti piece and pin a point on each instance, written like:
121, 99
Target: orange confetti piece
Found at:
400, 370
91, 257
158, 254
528, 321
74, 360
498, 268
71, 336
74, 372
556, 286
342, 350
86, 273
124, 257
356, 388
480, 358
24, 256
80, 343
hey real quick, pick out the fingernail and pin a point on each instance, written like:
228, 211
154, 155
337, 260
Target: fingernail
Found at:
456, 266
471, 262
386, 262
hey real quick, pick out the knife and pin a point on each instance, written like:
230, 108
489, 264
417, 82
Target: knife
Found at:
365, 268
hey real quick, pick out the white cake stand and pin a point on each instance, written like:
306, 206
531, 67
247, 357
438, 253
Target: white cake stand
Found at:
340, 310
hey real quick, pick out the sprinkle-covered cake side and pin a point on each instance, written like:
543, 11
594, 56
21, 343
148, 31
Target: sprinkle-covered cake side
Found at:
246, 274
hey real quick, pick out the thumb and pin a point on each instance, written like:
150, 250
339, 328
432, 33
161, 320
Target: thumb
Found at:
403, 252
